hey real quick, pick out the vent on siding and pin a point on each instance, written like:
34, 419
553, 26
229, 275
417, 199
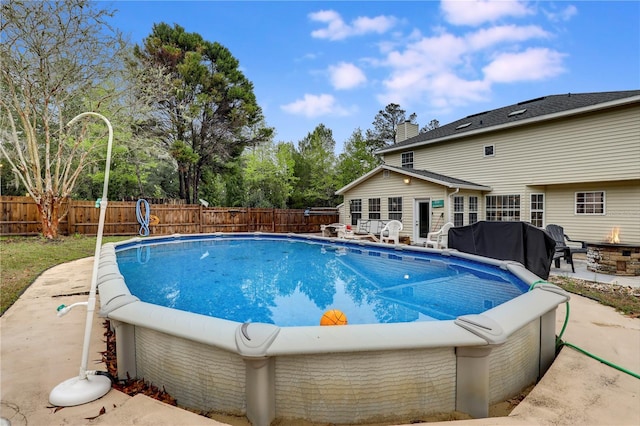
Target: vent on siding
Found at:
385, 174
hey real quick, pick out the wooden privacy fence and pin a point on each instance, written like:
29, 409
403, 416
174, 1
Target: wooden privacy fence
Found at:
20, 217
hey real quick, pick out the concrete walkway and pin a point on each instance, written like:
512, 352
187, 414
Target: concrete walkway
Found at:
40, 350
583, 273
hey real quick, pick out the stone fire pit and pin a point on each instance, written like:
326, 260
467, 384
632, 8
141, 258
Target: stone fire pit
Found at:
614, 258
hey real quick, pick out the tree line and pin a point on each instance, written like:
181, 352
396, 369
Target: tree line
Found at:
186, 122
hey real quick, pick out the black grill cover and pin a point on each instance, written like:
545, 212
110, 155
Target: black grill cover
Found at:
519, 241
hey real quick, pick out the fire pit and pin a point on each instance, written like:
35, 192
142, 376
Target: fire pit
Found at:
613, 257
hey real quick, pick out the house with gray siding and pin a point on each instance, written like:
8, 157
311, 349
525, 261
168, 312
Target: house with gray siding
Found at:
570, 159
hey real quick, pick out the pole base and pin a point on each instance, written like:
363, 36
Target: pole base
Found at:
77, 391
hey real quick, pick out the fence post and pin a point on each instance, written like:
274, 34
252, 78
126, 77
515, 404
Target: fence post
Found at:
200, 219
71, 223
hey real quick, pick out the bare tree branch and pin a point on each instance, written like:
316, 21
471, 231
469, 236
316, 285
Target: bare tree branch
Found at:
54, 56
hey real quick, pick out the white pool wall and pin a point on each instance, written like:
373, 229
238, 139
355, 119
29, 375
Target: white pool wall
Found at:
347, 374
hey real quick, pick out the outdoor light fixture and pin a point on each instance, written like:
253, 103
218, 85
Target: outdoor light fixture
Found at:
88, 385
407, 180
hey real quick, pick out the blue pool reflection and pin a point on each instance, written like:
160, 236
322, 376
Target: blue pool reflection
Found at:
289, 282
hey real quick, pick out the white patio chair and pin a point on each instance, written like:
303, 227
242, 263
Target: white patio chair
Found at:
345, 231
438, 239
391, 232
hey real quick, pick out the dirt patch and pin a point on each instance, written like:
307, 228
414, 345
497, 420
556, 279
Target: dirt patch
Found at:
441, 417
501, 409
625, 299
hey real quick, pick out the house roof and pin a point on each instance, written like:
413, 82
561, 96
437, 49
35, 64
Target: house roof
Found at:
425, 175
522, 113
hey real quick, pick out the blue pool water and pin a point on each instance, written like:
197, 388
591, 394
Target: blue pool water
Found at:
291, 282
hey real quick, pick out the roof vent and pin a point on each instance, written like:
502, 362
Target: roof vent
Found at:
462, 126
518, 112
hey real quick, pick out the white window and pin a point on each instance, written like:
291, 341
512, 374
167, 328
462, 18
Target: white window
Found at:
355, 209
473, 209
458, 210
502, 207
395, 208
590, 202
537, 210
407, 159
374, 208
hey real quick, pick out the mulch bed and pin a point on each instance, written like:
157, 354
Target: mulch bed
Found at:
129, 386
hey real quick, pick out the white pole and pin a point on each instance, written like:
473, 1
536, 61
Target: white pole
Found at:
96, 257
84, 388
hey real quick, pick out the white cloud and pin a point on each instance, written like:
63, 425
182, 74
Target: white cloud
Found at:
563, 15
414, 69
442, 90
315, 106
530, 65
308, 57
386, 46
405, 83
450, 90
445, 70
429, 53
476, 12
380, 24
346, 76
484, 38
337, 29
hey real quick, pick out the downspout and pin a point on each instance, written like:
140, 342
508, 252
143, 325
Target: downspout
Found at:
450, 208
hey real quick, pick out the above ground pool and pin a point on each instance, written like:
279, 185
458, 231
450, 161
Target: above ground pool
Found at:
230, 323
288, 282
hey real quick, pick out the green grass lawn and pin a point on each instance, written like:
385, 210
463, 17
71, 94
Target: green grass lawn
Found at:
23, 259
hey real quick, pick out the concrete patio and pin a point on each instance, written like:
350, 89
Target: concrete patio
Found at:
40, 350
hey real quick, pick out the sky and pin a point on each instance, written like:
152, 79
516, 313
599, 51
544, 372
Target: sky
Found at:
339, 63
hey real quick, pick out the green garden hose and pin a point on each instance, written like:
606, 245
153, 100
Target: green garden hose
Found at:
560, 343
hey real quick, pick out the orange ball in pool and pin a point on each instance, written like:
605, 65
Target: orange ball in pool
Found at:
333, 317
